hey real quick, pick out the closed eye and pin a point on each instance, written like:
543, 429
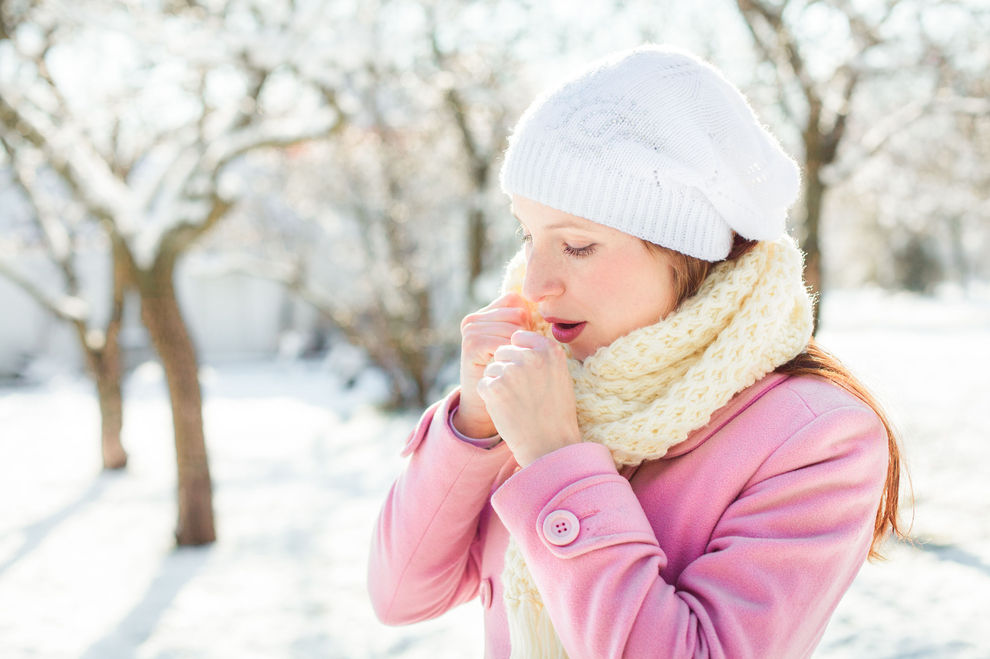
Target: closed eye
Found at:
587, 250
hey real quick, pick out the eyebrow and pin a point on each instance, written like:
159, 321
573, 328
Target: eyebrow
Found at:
567, 225
563, 224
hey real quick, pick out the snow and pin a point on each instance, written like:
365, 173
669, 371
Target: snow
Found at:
926, 361
300, 466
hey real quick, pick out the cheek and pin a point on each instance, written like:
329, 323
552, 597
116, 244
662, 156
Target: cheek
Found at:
611, 286
637, 291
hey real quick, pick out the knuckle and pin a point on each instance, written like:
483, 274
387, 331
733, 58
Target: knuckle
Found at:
518, 337
509, 372
489, 389
532, 357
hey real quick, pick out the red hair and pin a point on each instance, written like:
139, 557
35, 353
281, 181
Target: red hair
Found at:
690, 272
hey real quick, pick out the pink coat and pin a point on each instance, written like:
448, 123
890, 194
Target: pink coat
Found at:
738, 543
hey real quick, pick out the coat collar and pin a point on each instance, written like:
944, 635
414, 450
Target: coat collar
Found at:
726, 413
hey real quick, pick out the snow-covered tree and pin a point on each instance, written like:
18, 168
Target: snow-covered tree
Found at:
933, 214
56, 230
402, 199
141, 110
852, 76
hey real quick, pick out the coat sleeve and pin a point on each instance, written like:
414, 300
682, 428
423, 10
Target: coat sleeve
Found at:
780, 556
423, 560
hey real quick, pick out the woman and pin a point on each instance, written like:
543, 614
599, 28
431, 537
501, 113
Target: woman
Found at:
647, 455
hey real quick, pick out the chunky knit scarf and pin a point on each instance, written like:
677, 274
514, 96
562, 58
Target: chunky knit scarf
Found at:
648, 390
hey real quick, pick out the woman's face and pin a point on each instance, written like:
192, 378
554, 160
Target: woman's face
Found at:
592, 283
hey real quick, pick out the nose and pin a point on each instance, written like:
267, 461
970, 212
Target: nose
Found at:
543, 277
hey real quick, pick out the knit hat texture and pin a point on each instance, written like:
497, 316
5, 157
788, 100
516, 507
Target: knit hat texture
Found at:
658, 144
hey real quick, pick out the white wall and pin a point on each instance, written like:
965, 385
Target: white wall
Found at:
231, 316
25, 328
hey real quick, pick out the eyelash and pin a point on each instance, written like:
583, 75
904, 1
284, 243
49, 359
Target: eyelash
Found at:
579, 251
570, 251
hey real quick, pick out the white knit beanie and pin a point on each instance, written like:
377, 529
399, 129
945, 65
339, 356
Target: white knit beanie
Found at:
658, 144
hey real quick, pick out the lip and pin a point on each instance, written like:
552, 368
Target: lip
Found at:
563, 330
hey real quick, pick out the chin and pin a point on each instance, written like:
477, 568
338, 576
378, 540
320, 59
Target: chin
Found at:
581, 353
584, 347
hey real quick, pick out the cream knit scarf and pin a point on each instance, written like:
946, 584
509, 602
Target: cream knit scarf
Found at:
648, 390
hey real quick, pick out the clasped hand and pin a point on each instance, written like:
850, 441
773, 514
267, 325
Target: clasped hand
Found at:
521, 385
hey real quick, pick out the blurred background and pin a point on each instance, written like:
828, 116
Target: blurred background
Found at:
237, 238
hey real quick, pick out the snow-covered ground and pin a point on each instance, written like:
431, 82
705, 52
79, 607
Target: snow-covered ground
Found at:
300, 466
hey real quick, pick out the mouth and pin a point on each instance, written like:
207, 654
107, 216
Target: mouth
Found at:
565, 331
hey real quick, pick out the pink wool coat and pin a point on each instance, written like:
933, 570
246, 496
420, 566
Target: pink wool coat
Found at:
738, 543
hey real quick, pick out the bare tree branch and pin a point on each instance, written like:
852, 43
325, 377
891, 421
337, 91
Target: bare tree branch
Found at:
85, 172
880, 134
53, 232
775, 38
272, 135
832, 137
68, 308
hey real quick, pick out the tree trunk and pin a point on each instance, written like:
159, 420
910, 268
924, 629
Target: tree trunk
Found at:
108, 370
104, 366
814, 197
170, 336
419, 362
477, 244
108, 389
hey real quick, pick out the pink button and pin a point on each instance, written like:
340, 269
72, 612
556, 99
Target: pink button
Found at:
486, 593
561, 527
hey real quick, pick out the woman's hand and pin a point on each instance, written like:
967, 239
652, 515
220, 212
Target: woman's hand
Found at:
530, 397
482, 333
